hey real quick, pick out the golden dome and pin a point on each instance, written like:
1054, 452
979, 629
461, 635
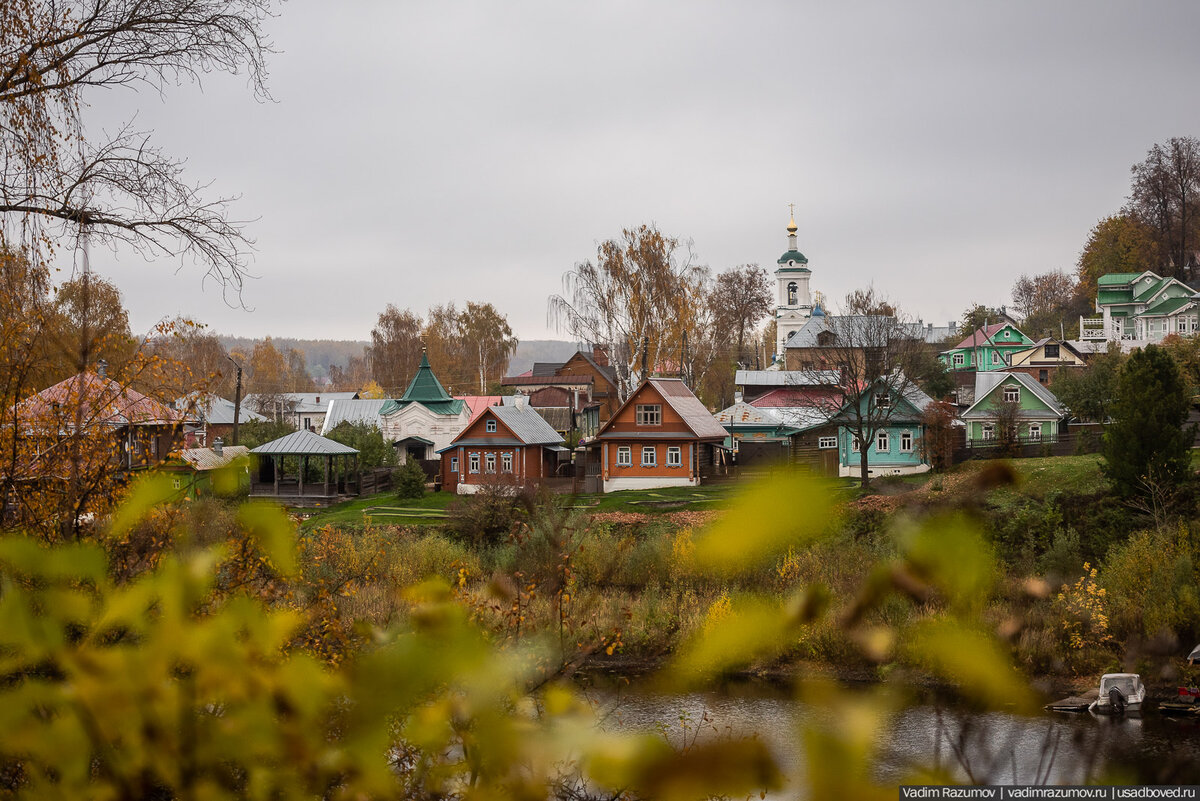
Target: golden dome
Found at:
792, 226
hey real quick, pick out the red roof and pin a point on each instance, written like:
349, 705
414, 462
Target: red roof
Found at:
982, 336
477, 403
101, 400
791, 397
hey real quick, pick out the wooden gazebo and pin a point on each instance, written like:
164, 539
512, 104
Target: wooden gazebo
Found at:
340, 467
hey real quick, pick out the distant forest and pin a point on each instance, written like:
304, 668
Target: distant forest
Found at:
320, 353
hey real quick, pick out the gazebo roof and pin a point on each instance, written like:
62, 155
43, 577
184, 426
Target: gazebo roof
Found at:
304, 443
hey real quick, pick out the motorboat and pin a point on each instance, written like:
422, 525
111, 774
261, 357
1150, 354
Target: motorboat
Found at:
1194, 656
1119, 693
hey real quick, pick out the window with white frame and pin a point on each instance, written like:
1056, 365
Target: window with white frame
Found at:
674, 456
649, 456
883, 400
624, 456
1035, 432
473, 462
489, 463
1012, 394
997, 357
988, 430
506, 463
855, 445
827, 442
649, 414
882, 442
490, 425
959, 359
453, 464
906, 442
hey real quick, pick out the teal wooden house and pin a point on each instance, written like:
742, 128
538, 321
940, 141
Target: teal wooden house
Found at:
988, 348
1040, 416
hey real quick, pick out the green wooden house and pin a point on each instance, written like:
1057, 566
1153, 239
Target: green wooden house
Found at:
193, 471
1040, 417
988, 348
1144, 307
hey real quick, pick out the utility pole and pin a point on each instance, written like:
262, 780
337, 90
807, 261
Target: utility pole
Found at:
237, 400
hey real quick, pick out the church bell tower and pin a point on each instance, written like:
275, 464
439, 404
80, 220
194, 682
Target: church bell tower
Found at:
793, 296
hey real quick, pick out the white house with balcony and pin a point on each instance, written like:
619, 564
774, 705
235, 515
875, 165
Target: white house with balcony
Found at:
1141, 308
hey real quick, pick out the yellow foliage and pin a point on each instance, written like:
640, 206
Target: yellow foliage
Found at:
1084, 607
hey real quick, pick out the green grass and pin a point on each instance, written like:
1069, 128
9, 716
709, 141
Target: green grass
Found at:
1036, 478
663, 499
384, 507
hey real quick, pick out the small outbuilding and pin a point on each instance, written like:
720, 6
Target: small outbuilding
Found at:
306, 469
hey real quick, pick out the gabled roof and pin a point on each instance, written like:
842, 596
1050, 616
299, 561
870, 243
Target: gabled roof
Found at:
676, 394
207, 459
1029, 351
526, 424
215, 410
606, 370
1167, 307
101, 400
354, 410
303, 443
986, 383
477, 403
986, 336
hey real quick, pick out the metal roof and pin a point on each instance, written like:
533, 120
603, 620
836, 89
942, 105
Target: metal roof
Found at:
526, 424
207, 459
353, 410
425, 387
987, 381
215, 410
786, 378
303, 443
688, 406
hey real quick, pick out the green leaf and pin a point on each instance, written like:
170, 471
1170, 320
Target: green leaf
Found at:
149, 490
754, 531
273, 532
973, 661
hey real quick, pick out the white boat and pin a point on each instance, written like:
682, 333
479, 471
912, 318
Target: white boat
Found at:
1120, 693
1194, 656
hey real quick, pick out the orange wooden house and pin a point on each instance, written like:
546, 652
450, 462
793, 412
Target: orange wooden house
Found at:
662, 436
510, 445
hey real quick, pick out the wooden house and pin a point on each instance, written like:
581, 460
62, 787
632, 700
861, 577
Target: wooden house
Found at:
1045, 358
1037, 413
502, 445
192, 472
587, 377
662, 436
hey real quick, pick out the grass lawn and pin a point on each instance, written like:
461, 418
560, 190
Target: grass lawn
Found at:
384, 507
1075, 475
665, 499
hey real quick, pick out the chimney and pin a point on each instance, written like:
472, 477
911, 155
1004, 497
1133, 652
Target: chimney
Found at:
737, 397
318, 399
102, 368
520, 401
600, 355
217, 446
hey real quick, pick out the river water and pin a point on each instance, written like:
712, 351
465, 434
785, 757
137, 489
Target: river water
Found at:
987, 748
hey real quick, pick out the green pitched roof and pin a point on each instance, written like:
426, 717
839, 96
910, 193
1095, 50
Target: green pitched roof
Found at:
1117, 279
425, 386
793, 255
1168, 306
426, 390
1149, 291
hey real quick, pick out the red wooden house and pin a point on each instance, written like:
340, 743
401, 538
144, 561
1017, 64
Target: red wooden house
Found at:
509, 445
662, 436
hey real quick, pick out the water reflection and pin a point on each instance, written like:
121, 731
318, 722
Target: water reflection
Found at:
993, 748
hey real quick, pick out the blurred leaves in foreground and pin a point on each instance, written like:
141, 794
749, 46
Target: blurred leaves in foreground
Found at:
157, 687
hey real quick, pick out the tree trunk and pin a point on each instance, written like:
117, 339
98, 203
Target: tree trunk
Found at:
864, 464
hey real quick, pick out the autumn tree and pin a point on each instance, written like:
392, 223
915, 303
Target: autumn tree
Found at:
353, 376
199, 361
1121, 243
1165, 198
741, 300
642, 290
489, 340
977, 315
59, 176
395, 349
1045, 303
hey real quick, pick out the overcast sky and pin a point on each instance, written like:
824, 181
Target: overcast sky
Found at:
425, 152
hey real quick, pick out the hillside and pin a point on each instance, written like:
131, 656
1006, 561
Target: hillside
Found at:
320, 353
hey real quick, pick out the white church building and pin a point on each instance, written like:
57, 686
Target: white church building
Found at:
794, 302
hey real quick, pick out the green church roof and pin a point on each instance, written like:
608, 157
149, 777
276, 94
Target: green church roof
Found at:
793, 255
426, 390
425, 386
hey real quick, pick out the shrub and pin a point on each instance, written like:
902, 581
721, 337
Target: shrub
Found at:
490, 515
409, 480
1152, 583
